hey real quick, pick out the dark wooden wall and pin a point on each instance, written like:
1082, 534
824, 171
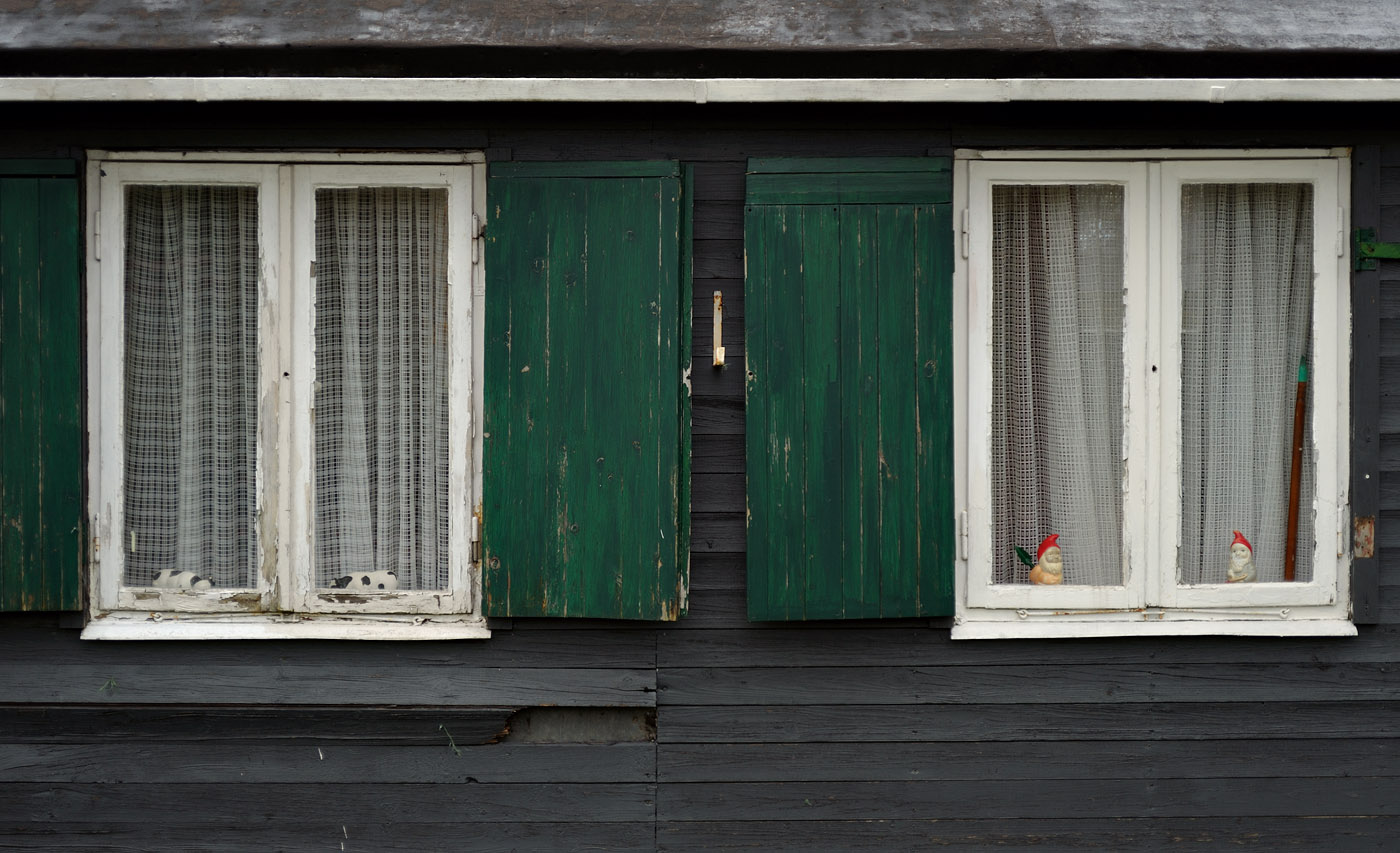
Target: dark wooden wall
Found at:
821, 736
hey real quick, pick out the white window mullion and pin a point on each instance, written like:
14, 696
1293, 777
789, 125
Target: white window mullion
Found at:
278, 339
1138, 408
298, 537
1165, 275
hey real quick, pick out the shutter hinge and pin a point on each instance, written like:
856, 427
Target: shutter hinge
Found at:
97, 234
1367, 252
962, 535
475, 549
478, 230
966, 219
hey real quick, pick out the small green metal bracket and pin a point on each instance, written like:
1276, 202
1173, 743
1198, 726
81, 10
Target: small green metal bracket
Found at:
1366, 252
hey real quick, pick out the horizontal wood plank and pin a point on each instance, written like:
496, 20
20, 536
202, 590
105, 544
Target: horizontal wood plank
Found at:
268, 832
230, 806
1016, 799
607, 648
354, 805
136, 682
1050, 835
1022, 760
717, 532
717, 415
445, 763
272, 724
811, 646
1028, 684
724, 454
1040, 722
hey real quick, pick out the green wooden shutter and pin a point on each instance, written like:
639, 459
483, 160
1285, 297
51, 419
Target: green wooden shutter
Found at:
41, 444
586, 484
848, 327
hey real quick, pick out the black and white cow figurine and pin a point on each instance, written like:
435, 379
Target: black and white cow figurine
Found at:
180, 579
377, 581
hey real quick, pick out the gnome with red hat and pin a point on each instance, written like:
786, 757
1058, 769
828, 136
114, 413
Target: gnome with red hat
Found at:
1049, 567
1241, 569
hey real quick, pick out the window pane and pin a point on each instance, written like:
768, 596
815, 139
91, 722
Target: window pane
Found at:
381, 442
191, 287
1057, 403
1246, 266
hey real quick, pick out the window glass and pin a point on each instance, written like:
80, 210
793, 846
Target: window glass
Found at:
1057, 400
381, 428
1247, 273
190, 383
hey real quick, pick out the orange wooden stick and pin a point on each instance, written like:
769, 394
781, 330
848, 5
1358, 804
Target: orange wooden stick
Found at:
1290, 547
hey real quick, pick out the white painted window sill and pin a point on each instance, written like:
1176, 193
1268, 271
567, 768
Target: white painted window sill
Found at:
169, 627
999, 630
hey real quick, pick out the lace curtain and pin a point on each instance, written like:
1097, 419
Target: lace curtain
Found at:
381, 441
190, 406
1057, 410
1246, 267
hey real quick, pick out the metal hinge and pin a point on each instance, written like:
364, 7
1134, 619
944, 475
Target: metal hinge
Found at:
963, 242
962, 535
478, 230
1367, 252
475, 549
97, 235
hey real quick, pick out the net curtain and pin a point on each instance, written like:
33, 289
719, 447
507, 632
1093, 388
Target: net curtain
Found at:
191, 293
1057, 411
1246, 268
381, 404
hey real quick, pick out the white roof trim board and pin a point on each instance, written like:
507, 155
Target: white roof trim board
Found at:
696, 90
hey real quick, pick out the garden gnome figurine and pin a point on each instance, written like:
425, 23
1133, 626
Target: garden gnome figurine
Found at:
1049, 566
1241, 568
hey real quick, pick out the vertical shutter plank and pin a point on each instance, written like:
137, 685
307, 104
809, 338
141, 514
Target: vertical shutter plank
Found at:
40, 431
575, 510
788, 321
60, 370
897, 475
515, 387
861, 386
594, 315
935, 383
758, 405
19, 402
822, 427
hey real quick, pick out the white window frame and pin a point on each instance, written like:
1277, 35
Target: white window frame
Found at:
285, 603
1150, 601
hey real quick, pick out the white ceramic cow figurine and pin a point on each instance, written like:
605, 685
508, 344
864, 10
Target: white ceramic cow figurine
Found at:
180, 579
378, 581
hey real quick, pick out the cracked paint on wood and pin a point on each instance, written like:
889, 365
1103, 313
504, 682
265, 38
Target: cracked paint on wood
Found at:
41, 453
586, 505
848, 390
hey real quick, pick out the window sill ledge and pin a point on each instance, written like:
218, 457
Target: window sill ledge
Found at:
171, 627
989, 630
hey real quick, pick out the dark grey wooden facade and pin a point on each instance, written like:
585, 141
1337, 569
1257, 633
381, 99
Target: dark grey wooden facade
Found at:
819, 736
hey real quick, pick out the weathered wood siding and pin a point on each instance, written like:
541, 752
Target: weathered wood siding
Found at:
873, 735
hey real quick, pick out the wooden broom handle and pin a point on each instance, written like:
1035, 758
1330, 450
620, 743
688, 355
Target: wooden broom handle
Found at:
1290, 547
